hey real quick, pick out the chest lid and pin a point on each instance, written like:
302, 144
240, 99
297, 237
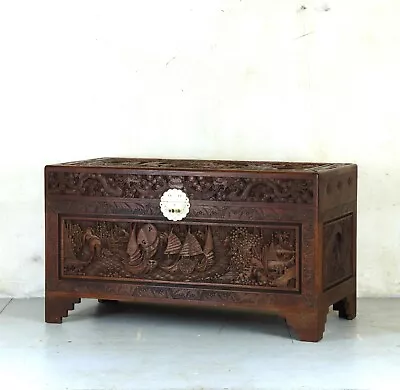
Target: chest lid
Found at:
200, 165
201, 180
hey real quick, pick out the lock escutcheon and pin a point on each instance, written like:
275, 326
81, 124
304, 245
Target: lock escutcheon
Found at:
174, 204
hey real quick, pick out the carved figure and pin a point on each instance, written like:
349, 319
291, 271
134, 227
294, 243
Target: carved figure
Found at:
91, 245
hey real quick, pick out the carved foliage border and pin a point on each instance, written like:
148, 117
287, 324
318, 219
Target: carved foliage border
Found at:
267, 300
150, 208
135, 186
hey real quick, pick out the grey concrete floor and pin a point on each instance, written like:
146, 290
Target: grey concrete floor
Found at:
162, 347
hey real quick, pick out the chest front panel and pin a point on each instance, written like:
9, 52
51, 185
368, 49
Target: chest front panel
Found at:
245, 254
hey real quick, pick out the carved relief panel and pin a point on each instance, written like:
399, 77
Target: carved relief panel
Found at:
261, 256
338, 250
134, 186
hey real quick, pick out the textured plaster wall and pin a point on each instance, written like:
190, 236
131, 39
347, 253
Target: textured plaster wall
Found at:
249, 79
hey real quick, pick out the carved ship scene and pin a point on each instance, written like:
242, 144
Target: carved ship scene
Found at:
248, 256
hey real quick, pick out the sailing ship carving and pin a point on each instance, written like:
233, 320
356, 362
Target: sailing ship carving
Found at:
186, 256
259, 256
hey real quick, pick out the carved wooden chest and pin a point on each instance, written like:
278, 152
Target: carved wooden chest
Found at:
275, 237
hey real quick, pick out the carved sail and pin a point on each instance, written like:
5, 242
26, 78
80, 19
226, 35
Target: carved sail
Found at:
191, 247
148, 239
150, 250
208, 251
147, 235
132, 243
209, 245
174, 245
138, 260
135, 256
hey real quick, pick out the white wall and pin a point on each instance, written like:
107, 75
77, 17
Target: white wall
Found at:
199, 79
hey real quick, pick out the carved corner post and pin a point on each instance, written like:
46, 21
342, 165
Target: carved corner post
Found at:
338, 216
347, 307
56, 305
308, 319
308, 322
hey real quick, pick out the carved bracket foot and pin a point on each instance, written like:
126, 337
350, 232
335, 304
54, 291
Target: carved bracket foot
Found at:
57, 307
347, 307
308, 325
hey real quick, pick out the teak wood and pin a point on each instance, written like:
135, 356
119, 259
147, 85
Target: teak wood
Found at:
269, 236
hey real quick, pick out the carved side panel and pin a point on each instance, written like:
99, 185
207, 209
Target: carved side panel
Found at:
338, 250
261, 256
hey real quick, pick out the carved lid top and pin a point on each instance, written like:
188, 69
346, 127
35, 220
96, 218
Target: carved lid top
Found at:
202, 165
